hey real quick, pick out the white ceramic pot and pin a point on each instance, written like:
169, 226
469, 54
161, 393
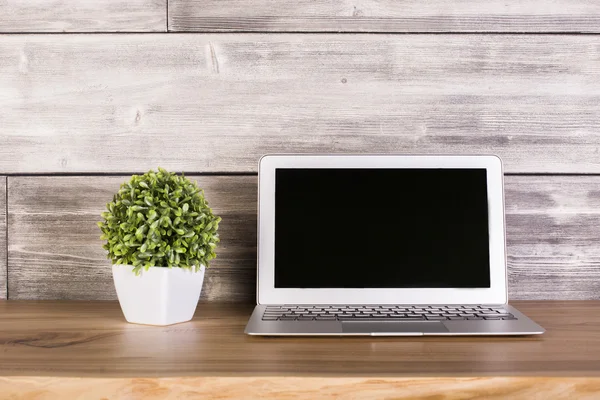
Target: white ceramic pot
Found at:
159, 296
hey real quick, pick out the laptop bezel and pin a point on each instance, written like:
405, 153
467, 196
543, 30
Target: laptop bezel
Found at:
268, 294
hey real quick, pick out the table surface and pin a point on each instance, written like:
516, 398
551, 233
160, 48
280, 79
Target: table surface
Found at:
92, 339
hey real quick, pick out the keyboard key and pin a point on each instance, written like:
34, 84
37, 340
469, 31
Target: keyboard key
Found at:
496, 315
456, 318
431, 318
326, 318
378, 318
369, 319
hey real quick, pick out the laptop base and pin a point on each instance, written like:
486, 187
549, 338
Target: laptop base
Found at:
522, 325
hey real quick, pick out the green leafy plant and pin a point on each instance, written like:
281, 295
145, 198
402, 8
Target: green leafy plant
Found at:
160, 219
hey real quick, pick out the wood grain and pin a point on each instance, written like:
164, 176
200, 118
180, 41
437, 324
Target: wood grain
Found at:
385, 16
552, 237
83, 16
55, 253
3, 242
216, 103
448, 388
92, 339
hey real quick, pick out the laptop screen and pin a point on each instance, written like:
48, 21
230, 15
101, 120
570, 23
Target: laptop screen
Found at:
381, 228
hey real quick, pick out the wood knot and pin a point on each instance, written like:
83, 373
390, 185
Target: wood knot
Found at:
357, 13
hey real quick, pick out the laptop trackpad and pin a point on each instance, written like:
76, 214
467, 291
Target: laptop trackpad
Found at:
393, 327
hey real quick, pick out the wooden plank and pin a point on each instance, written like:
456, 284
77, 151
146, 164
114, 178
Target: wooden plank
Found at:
216, 103
83, 16
3, 243
553, 236
385, 16
449, 388
54, 251
92, 339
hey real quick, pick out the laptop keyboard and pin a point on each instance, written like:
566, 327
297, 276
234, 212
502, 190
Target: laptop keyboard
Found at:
385, 313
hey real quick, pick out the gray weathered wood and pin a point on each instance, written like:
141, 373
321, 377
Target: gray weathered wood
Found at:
385, 15
3, 244
553, 235
83, 16
55, 253
125, 103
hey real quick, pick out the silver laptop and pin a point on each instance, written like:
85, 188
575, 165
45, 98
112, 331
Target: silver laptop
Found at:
382, 245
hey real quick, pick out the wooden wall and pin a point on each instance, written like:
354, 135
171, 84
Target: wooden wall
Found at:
414, 16
93, 91
3, 243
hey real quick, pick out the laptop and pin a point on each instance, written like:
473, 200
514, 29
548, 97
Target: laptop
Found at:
383, 245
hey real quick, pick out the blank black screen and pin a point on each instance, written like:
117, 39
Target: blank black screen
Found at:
381, 228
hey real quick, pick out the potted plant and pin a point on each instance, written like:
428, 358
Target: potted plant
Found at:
160, 235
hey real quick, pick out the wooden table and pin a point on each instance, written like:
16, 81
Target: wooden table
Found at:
66, 349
